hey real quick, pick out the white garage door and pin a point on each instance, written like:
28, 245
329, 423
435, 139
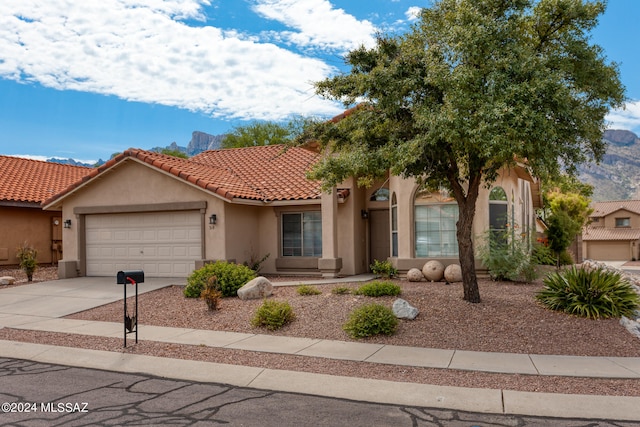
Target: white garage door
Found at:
162, 244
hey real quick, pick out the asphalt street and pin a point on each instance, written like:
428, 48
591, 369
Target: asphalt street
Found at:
38, 394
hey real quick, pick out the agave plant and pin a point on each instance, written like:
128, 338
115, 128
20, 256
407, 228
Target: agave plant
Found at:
595, 294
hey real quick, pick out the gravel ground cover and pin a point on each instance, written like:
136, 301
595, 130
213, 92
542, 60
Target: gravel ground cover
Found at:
507, 320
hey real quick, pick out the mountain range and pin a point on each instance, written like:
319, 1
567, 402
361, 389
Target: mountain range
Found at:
617, 177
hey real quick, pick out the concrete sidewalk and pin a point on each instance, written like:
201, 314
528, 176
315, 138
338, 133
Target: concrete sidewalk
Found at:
40, 306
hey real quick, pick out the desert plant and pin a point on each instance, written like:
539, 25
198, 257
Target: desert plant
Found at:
273, 315
256, 264
508, 257
383, 269
378, 288
341, 290
230, 277
308, 290
27, 255
589, 293
211, 293
369, 320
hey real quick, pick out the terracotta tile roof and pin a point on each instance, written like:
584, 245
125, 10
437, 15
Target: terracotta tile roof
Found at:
265, 173
26, 182
601, 209
602, 233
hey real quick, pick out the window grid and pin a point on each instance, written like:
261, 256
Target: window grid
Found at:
435, 230
302, 234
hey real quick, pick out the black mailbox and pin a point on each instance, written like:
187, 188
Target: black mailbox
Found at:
136, 275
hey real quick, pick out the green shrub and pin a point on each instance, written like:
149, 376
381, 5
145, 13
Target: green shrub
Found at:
378, 288
231, 277
308, 290
273, 315
341, 290
384, 269
28, 263
507, 257
594, 294
369, 320
565, 258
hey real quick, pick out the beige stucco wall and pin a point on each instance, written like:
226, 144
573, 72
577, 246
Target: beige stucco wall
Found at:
135, 184
351, 230
610, 220
28, 225
518, 195
250, 230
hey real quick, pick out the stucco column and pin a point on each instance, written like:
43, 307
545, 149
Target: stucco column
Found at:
330, 264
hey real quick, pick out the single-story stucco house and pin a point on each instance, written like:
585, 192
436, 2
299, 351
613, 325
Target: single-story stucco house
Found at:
613, 232
168, 216
24, 185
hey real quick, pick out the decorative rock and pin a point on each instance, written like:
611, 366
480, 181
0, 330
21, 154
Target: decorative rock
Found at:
257, 288
433, 270
403, 310
453, 273
414, 275
7, 280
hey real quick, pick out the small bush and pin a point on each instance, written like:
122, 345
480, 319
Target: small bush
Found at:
230, 277
369, 320
273, 315
211, 294
378, 289
593, 294
341, 290
383, 269
507, 257
305, 290
28, 263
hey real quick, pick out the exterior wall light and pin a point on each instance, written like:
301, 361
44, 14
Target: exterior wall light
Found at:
364, 214
213, 219
67, 223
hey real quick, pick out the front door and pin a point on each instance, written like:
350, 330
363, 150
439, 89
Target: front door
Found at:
379, 232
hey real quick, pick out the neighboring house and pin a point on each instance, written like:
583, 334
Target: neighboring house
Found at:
167, 216
613, 232
24, 185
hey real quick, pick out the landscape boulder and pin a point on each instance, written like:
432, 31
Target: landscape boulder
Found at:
453, 273
403, 310
433, 270
258, 288
414, 275
7, 280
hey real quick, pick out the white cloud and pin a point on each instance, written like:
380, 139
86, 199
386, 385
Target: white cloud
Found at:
628, 119
140, 50
318, 24
413, 13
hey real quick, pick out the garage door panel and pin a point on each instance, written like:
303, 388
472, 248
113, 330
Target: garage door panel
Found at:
163, 244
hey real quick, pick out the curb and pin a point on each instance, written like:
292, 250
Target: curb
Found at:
491, 401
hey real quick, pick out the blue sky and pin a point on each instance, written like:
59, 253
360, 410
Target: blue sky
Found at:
88, 79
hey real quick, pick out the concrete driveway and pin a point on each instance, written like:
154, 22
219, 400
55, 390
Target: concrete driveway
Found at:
58, 298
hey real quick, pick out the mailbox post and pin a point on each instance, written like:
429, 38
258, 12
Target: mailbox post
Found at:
130, 322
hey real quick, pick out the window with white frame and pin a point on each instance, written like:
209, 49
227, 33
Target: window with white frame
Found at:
302, 234
435, 230
498, 214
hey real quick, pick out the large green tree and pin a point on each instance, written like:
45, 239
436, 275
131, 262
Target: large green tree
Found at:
476, 85
264, 133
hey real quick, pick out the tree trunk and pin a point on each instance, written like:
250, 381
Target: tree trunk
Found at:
464, 228
466, 252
